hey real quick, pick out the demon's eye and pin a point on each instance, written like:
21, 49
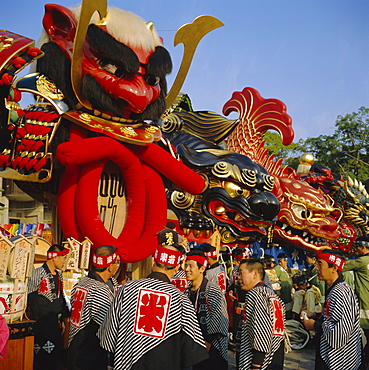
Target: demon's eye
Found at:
112, 68
301, 211
152, 80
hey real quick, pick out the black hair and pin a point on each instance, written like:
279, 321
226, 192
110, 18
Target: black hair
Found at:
254, 264
179, 247
237, 251
56, 248
282, 255
196, 252
335, 252
103, 250
299, 279
310, 254
206, 247
268, 260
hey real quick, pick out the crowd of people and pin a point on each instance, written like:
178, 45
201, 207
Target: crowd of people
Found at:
190, 310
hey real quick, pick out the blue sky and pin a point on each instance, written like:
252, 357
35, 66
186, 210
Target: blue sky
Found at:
313, 54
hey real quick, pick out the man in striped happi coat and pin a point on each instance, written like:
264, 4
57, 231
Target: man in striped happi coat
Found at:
360, 268
211, 310
91, 299
215, 273
262, 338
339, 329
151, 324
46, 304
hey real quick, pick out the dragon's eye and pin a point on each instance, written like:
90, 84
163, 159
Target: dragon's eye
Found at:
301, 211
235, 190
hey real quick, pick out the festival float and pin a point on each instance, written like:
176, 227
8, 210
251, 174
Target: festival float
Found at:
87, 146
117, 157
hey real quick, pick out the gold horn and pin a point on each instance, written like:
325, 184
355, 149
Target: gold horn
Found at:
190, 35
88, 8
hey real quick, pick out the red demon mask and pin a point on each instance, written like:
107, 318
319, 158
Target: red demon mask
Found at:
117, 79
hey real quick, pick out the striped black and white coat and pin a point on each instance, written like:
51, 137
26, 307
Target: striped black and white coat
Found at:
216, 275
145, 313
262, 325
179, 280
211, 310
340, 340
90, 300
42, 281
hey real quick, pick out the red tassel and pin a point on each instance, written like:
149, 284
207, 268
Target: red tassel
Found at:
18, 62
6, 79
40, 164
34, 52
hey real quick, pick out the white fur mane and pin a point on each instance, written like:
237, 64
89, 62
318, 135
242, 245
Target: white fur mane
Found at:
124, 26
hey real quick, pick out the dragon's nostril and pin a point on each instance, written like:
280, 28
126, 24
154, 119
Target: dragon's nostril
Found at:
265, 205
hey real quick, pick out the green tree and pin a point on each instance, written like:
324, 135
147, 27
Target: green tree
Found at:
347, 150
273, 143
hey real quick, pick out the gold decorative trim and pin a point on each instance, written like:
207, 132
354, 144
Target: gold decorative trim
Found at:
88, 8
18, 44
138, 133
10, 173
190, 35
6, 42
48, 101
48, 88
85, 117
182, 200
128, 131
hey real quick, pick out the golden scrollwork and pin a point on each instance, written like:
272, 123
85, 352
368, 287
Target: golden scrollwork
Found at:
182, 200
222, 169
85, 117
226, 236
171, 123
249, 177
268, 182
48, 88
127, 130
151, 129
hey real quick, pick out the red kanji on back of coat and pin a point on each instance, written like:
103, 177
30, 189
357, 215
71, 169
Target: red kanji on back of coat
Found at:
180, 283
78, 303
152, 313
222, 281
278, 322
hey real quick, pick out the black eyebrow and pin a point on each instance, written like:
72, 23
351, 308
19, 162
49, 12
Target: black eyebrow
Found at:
112, 49
160, 62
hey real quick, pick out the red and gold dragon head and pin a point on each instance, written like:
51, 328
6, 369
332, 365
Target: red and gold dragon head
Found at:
308, 218
350, 196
